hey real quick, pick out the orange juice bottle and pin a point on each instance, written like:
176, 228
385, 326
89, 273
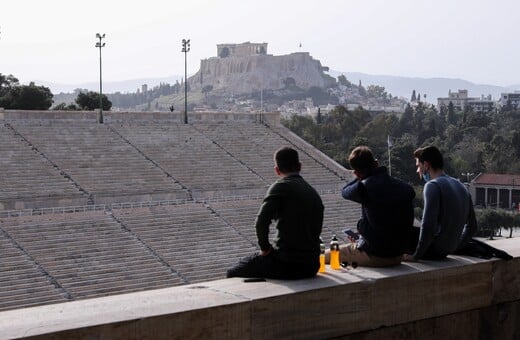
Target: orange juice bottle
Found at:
334, 253
322, 257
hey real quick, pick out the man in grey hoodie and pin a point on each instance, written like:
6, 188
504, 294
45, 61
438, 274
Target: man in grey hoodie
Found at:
448, 221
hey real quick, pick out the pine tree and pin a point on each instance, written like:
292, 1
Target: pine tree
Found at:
414, 98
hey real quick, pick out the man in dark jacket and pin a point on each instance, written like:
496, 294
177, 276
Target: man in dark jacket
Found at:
387, 213
297, 210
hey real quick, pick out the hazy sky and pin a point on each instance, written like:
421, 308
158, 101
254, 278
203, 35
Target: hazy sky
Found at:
54, 40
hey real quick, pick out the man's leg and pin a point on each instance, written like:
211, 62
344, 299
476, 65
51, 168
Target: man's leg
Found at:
351, 254
294, 271
255, 265
413, 239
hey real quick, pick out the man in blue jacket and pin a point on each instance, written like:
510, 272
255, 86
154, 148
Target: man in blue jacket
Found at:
387, 213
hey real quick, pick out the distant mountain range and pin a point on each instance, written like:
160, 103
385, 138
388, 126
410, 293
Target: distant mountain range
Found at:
432, 87
397, 86
111, 86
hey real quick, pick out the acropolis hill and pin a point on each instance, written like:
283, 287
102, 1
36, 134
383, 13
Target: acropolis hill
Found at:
245, 68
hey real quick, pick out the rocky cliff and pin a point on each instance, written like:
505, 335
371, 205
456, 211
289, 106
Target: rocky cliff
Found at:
247, 74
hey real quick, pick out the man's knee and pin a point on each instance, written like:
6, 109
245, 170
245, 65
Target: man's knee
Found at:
232, 272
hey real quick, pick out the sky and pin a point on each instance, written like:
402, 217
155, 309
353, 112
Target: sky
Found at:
54, 40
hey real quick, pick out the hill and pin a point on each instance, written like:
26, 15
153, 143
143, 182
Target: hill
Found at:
432, 87
130, 85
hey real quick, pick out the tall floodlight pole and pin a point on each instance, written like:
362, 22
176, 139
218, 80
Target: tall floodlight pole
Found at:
468, 176
185, 50
100, 45
389, 145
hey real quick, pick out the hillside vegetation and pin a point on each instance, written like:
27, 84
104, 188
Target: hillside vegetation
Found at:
471, 142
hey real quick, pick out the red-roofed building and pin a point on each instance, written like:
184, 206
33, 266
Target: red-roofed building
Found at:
496, 190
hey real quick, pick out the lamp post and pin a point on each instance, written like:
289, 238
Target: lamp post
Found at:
389, 145
100, 45
185, 50
468, 175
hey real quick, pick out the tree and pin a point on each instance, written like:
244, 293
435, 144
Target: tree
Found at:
498, 154
402, 158
207, 89
289, 82
451, 117
318, 117
376, 91
406, 120
489, 221
6, 83
319, 96
342, 80
65, 107
27, 97
361, 90
414, 97
516, 143
90, 101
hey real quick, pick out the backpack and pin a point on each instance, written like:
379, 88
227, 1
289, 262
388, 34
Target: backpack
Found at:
482, 250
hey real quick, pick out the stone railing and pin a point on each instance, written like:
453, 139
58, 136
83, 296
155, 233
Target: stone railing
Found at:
462, 297
272, 118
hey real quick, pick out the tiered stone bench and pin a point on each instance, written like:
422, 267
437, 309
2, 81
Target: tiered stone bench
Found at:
84, 255
339, 215
189, 238
241, 214
255, 144
143, 157
460, 298
99, 161
89, 253
190, 157
28, 180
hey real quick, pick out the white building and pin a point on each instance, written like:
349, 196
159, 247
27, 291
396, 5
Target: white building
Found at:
513, 97
460, 101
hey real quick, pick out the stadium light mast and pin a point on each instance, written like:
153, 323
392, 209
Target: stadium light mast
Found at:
468, 176
185, 50
100, 45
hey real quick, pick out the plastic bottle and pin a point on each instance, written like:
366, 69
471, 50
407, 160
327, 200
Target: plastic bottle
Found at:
322, 257
334, 253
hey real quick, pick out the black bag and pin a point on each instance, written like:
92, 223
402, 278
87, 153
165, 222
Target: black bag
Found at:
482, 250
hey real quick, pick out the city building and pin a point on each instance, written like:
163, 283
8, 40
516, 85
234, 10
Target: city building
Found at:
484, 104
496, 190
513, 98
461, 101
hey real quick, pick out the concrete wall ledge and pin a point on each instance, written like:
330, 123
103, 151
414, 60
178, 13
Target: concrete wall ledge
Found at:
461, 297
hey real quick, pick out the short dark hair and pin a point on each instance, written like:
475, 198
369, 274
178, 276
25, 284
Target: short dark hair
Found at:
431, 155
287, 160
362, 159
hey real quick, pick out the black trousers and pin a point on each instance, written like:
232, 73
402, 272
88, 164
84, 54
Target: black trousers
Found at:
430, 253
273, 267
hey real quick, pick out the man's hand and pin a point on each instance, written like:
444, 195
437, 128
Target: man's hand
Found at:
266, 252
